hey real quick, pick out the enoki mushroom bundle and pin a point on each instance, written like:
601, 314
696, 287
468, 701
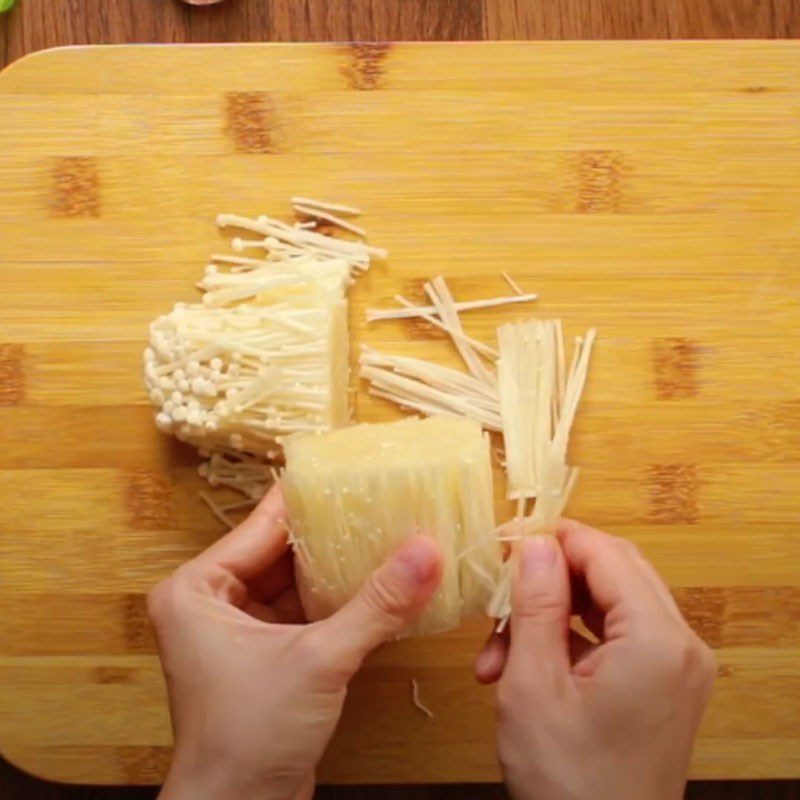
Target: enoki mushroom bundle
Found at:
265, 352
355, 494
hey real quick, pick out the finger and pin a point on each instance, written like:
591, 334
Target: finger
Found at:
579, 646
289, 608
274, 581
260, 611
658, 584
612, 577
393, 596
540, 610
491, 660
584, 607
250, 548
581, 599
594, 620
283, 610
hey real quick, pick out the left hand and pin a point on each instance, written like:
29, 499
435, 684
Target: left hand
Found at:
255, 694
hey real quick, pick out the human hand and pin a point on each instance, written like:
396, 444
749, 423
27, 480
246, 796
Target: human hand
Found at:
254, 694
611, 720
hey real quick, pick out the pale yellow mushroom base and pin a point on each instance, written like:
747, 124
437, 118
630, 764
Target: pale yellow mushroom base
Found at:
356, 493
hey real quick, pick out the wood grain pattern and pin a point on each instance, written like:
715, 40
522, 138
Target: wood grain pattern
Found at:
650, 193
39, 24
640, 19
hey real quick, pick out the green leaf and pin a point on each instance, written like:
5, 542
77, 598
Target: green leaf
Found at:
6, 4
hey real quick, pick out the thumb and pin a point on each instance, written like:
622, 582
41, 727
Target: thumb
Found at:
540, 609
393, 596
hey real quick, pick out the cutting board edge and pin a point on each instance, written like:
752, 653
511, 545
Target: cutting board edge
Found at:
33, 58
41, 768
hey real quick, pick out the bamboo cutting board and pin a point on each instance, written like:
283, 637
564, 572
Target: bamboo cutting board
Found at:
650, 189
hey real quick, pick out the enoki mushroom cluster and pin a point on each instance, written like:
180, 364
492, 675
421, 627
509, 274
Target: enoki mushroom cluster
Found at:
265, 352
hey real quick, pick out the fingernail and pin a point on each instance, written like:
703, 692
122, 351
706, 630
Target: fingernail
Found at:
418, 559
538, 555
489, 662
490, 659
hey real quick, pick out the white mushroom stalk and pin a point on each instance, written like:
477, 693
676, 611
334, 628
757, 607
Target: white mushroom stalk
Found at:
528, 380
263, 280
409, 311
439, 294
287, 240
336, 208
317, 214
245, 473
419, 385
515, 287
538, 401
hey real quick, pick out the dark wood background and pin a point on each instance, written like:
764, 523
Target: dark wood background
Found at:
38, 24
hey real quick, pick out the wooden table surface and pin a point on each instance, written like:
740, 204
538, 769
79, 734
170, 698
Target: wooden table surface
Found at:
38, 24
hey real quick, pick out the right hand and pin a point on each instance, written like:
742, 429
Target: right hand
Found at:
611, 720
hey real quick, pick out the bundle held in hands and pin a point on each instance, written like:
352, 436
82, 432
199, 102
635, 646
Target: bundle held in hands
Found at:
356, 493
527, 392
539, 397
